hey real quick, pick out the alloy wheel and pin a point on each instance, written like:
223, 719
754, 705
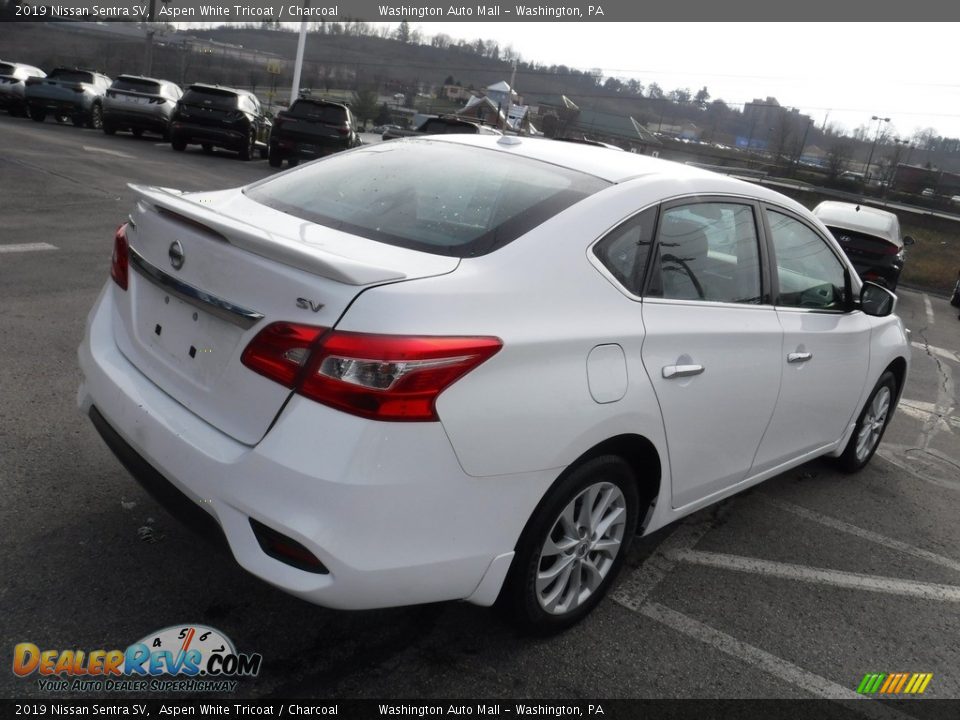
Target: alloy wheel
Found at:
581, 548
873, 423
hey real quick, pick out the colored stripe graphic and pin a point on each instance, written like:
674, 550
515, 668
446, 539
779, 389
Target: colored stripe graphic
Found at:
894, 683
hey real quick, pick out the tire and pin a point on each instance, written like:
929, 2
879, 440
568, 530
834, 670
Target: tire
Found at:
137, 132
96, 117
207, 148
870, 426
178, 144
264, 153
37, 115
246, 152
109, 129
274, 159
563, 567
77, 120
293, 162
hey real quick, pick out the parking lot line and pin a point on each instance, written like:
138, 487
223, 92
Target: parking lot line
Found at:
635, 587
115, 153
938, 351
820, 576
929, 308
864, 534
26, 247
778, 667
890, 456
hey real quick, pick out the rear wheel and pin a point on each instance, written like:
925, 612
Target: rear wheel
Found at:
96, 117
207, 148
573, 546
178, 144
274, 159
37, 114
246, 152
137, 132
870, 425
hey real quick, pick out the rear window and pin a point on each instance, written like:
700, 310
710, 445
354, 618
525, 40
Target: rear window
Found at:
330, 114
151, 87
445, 127
438, 197
7, 69
211, 97
77, 76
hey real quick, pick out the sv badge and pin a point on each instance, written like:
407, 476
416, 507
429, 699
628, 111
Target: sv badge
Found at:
305, 304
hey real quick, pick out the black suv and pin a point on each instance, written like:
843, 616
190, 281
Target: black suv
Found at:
215, 116
312, 128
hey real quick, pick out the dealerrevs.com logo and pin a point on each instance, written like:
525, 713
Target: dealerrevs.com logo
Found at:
180, 658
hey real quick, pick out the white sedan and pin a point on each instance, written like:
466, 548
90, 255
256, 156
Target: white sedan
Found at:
472, 368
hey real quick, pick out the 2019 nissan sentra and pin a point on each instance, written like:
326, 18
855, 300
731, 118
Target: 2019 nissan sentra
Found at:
472, 368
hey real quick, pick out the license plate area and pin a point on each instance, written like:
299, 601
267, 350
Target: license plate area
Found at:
189, 340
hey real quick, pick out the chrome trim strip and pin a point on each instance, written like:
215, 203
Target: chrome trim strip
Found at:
239, 316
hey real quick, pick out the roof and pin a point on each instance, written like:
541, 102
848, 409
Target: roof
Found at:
623, 126
860, 218
501, 86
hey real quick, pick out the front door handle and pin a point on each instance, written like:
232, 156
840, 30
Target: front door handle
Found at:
675, 371
799, 357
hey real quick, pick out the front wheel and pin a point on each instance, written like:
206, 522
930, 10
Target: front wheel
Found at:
178, 144
573, 546
246, 152
870, 426
37, 115
96, 117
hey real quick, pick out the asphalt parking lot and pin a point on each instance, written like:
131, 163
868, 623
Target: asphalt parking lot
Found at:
796, 589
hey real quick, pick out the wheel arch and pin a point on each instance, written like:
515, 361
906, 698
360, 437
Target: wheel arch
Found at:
898, 366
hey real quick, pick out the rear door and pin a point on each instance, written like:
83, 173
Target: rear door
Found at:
713, 343
826, 348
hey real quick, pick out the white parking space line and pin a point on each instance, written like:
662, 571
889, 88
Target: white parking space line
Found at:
892, 458
836, 578
26, 247
115, 153
920, 410
865, 534
634, 588
778, 667
929, 308
938, 351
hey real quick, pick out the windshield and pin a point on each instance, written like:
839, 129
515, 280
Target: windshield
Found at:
439, 197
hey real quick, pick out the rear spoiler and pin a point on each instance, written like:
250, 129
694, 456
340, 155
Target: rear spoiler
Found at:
279, 248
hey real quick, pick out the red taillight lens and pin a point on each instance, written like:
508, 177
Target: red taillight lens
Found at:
344, 130
120, 262
889, 249
381, 377
280, 350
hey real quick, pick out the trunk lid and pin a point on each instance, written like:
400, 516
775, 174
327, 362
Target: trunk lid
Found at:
185, 328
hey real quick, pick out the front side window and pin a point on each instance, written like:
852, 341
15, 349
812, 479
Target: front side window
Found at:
809, 274
708, 251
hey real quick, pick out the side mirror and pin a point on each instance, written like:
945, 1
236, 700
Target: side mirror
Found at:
876, 300
908, 240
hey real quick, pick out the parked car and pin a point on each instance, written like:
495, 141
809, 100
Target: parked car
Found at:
216, 116
587, 141
472, 368
312, 128
442, 125
140, 104
870, 237
13, 77
70, 92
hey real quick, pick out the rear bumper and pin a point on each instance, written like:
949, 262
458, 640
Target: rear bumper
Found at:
59, 105
305, 149
126, 118
384, 506
874, 270
221, 137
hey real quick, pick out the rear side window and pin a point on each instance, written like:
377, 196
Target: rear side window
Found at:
77, 76
624, 251
329, 114
210, 97
150, 87
438, 197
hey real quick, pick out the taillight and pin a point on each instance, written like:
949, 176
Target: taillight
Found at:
889, 249
381, 377
120, 262
344, 130
280, 350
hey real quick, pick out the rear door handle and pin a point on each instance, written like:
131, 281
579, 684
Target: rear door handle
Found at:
799, 357
676, 371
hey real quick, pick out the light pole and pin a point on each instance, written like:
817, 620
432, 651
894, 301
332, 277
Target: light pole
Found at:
880, 121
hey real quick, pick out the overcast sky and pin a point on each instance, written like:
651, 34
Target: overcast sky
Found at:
907, 72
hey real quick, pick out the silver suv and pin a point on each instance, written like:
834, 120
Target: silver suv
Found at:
65, 92
13, 77
139, 104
